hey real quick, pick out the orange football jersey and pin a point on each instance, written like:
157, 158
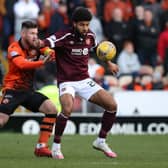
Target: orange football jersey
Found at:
21, 68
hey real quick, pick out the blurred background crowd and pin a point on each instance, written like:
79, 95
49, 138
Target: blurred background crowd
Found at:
138, 28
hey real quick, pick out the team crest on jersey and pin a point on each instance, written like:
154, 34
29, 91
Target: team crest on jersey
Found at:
5, 101
85, 51
71, 42
87, 41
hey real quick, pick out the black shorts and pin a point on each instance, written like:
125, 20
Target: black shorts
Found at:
11, 99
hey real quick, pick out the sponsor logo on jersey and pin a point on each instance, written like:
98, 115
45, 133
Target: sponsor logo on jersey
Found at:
14, 53
79, 51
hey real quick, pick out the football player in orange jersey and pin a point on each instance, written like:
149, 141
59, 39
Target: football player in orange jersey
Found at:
18, 89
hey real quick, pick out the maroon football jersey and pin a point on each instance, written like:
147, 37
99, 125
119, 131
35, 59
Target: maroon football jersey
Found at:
72, 54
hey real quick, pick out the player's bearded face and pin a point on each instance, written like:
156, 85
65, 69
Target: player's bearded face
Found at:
31, 37
82, 27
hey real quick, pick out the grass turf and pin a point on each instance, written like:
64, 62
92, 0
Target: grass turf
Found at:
136, 151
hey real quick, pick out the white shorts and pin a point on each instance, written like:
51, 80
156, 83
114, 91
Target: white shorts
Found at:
84, 88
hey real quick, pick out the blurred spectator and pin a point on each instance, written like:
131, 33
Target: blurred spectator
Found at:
146, 82
44, 18
164, 14
91, 5
157, 78
112, 80
24, 10
59, 19
100, 9
2, 13
147, 35
135, 21
1, 74
8, 24
141, 83
72, 4
165, 83
124, 6
146, 69
163, 47
128, 60
99, 78
117, 30
137, 2
124, 81
139, 13
135, 84
155, 7
96, 26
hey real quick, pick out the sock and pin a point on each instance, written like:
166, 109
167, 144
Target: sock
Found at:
107, 123
59, 128
101, 140
46, 128
56, 146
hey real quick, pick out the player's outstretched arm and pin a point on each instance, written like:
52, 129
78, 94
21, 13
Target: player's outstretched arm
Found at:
113, 68
23, 63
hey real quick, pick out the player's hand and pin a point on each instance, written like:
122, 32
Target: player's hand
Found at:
46, 59
113, 68
46, 51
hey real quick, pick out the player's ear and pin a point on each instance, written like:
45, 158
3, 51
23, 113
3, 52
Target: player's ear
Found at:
22, 33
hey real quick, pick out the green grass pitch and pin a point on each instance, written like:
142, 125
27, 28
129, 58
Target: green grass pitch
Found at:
134, 151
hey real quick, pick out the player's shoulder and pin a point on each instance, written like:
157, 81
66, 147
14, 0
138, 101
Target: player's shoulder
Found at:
14, 46
14, 49
64, 33
90, 33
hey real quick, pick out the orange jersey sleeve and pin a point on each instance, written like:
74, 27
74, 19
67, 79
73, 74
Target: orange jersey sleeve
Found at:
23, 63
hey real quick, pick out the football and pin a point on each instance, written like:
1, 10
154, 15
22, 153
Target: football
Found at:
106, 51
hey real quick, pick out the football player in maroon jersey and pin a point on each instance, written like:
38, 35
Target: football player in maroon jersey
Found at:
72, 47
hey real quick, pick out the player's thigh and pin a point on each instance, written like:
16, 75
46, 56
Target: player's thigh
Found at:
104, 99
10, 100
34, 100
3, 119
67, 94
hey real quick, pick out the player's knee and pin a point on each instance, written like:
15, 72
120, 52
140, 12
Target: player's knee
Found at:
2, 122
52, 110
113, 106
48, 108
66, 111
